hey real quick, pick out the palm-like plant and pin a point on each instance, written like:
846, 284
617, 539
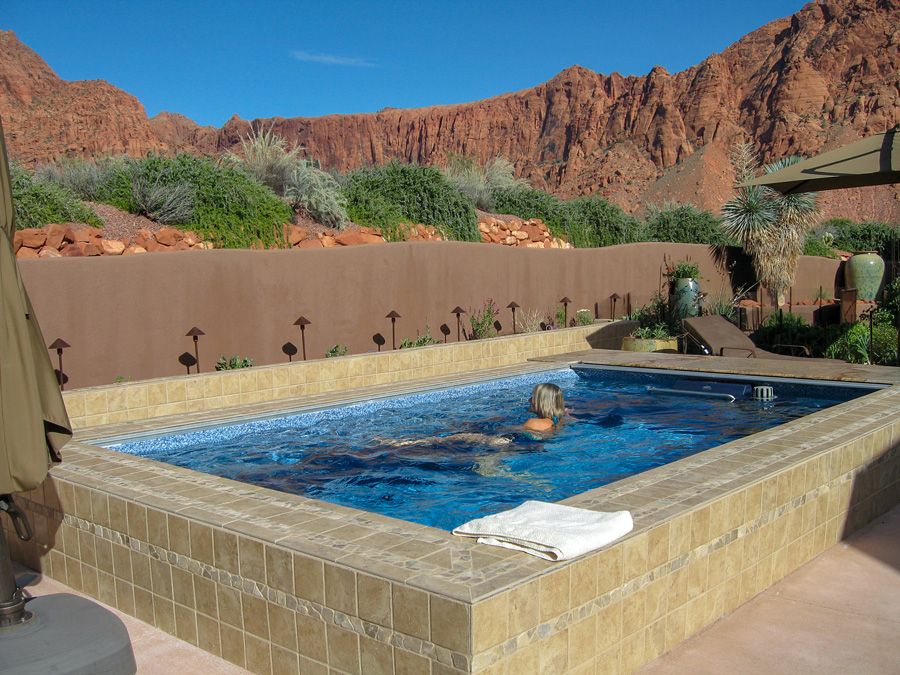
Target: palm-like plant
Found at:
770, 226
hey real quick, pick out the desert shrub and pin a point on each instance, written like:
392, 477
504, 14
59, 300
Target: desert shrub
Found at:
317, 194
783, 328
422, 340
40, 202
866, 236
107, 180
531, 321
593, 221
482, 321
527, 202
230, 208
336, 350
816, 245
584, 317
376, 211
657, 320
853, 344
655, 332
891, 299
420, 193
264, 156
467, 176
161, 199
233, 362
479, 183
684, 223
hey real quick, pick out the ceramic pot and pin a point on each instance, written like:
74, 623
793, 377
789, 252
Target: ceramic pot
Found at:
864, 272
633, 344
686, 297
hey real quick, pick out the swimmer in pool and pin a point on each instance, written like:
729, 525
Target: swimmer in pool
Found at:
547, 403
474, 438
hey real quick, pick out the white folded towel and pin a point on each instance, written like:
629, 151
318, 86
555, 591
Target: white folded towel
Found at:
549, 531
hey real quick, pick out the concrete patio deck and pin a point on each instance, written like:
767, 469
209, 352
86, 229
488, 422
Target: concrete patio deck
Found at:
839, 613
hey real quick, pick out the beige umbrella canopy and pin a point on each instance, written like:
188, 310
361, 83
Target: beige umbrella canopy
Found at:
872, 161
33, 421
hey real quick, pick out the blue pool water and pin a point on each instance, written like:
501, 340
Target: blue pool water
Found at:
349, 456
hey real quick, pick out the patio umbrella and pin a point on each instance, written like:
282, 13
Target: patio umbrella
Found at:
33, 421
872, 161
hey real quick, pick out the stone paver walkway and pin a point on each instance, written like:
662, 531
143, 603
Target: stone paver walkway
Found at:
839, 613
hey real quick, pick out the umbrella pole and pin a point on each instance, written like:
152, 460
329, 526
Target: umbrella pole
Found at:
12, 604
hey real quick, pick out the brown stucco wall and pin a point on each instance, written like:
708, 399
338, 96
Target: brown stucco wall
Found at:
128, 316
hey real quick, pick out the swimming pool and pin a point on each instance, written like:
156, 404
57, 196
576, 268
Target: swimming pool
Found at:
619, 426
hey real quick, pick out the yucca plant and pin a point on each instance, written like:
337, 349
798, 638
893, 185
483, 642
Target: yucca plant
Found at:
771, 227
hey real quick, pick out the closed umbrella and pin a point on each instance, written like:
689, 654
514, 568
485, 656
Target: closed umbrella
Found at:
872, 161
33, 421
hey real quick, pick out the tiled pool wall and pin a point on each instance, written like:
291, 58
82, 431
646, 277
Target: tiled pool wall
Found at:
279, 584
130, 401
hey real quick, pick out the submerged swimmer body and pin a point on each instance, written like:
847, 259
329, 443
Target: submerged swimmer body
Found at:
463, 437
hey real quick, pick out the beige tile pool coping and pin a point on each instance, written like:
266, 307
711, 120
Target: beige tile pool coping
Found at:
273, 581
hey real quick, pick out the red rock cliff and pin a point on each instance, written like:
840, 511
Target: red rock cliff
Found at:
822, 77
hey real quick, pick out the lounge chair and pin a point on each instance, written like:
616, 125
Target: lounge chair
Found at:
718, 336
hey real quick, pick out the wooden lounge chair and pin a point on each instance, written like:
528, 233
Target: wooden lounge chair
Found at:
720, 337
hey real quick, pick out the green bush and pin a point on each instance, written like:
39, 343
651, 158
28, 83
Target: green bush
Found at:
420, 193
40, 202
230, 208
482, 321
783, 328
376, 211
233, 363
421, 341
853, 344
584, 317
593, 221
316, 193
657, 320
814, 245
528, 202
853, 237
684, 223
107, 180
336, 350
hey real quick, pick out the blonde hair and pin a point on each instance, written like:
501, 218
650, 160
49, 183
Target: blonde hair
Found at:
547, 401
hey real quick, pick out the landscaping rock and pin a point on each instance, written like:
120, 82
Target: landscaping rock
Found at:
33, 237
169, 236
112, 247
56, 234
71, 251
356, 238
49, 252
26, 253
134, 249
311, 243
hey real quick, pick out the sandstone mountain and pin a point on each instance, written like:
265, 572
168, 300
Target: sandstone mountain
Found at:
823, 77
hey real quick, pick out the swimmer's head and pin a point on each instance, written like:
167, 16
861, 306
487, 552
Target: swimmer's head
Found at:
547, 401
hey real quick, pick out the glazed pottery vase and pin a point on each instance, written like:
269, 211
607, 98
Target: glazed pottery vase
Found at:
686, 297
633, 344
864, 272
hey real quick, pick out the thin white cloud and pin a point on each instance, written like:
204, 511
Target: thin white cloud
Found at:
332, 59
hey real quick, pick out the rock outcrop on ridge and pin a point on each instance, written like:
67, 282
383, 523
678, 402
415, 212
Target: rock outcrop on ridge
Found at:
823, 77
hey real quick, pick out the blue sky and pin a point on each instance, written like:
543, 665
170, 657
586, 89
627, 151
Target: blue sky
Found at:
211, 59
